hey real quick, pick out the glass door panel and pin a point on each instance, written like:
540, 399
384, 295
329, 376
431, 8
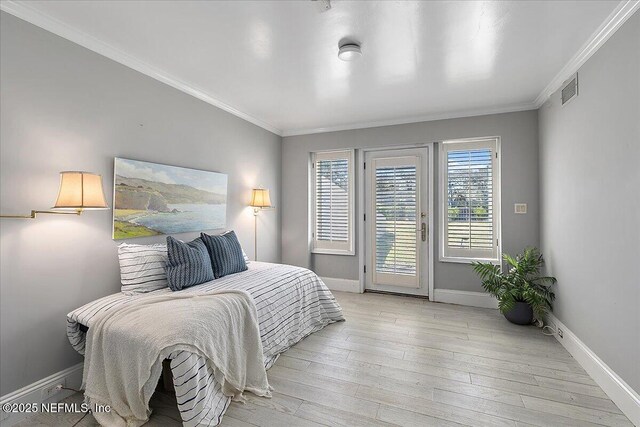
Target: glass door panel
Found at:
396, 224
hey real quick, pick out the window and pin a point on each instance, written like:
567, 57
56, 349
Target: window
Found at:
397, 206
470, 200
332, 174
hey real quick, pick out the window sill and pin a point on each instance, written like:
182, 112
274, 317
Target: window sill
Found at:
460, 260
332, 252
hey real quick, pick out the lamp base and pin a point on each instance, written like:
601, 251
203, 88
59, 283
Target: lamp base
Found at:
255, 233
256, 211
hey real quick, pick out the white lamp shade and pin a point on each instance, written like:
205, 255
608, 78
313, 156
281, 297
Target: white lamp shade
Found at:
260, 198
80, 190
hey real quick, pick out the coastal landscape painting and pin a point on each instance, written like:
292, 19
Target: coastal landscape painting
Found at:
152, 199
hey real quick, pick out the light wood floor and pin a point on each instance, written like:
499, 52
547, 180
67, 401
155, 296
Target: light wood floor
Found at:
406, 361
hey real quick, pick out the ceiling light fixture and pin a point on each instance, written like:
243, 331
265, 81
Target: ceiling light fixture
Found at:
349, 52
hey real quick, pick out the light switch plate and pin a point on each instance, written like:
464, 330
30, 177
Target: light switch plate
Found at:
520, 208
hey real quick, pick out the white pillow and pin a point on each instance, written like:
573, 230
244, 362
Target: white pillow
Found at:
142, 267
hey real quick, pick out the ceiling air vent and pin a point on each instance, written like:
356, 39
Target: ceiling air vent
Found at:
570, 89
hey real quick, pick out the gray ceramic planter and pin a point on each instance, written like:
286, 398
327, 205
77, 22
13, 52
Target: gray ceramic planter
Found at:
521, 314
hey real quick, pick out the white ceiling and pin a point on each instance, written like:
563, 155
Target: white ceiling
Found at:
275, 62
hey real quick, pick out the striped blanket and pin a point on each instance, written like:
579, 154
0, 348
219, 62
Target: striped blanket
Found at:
292, 302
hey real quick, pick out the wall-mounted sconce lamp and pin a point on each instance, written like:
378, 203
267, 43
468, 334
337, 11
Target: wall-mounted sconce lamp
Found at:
79, 191
260, 200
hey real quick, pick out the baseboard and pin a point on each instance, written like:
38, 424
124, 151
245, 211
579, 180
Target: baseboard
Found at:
33, 393
344, 285
473, 299
616, 388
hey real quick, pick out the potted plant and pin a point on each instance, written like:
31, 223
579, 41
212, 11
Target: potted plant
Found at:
521, 292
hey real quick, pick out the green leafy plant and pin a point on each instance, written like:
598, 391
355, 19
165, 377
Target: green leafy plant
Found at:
480, 212
521, 282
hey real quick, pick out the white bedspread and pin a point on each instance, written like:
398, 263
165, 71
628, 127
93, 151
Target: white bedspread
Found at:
126, 347
291, 303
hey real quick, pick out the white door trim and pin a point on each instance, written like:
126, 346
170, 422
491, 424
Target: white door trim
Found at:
361, 208
430, 234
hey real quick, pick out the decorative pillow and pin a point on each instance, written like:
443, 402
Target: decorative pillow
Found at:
225, 252
142, 267
189, 263
244, 254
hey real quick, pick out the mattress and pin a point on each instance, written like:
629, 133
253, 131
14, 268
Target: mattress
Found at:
292, 302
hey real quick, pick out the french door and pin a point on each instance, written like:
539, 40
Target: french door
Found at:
396, 221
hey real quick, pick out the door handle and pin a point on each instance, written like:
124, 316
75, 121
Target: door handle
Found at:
423, 232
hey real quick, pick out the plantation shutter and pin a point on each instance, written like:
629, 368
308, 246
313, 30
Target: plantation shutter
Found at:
333, 202
471, 210
396, 221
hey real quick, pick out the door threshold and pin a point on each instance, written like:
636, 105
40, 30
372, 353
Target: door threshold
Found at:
398, 294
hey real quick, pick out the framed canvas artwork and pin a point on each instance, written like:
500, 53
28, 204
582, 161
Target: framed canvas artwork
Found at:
151, 199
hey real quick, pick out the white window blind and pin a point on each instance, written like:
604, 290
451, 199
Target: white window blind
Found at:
470, 215
396, 216
333, 202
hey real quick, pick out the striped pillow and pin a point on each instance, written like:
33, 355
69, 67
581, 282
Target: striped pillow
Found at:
188, 265
142, 267
225, 252
244, 254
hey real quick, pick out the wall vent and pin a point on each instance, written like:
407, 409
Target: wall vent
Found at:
570, 89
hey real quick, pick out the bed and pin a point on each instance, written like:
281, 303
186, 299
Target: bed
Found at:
291, 302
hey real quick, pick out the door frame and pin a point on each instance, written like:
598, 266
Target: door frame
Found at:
361, 208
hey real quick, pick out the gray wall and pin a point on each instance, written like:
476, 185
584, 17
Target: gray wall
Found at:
590, 216
67, 108
519, 132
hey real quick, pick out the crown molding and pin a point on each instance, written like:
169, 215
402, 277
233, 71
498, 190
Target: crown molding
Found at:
25, 12
614, 21
415, 119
